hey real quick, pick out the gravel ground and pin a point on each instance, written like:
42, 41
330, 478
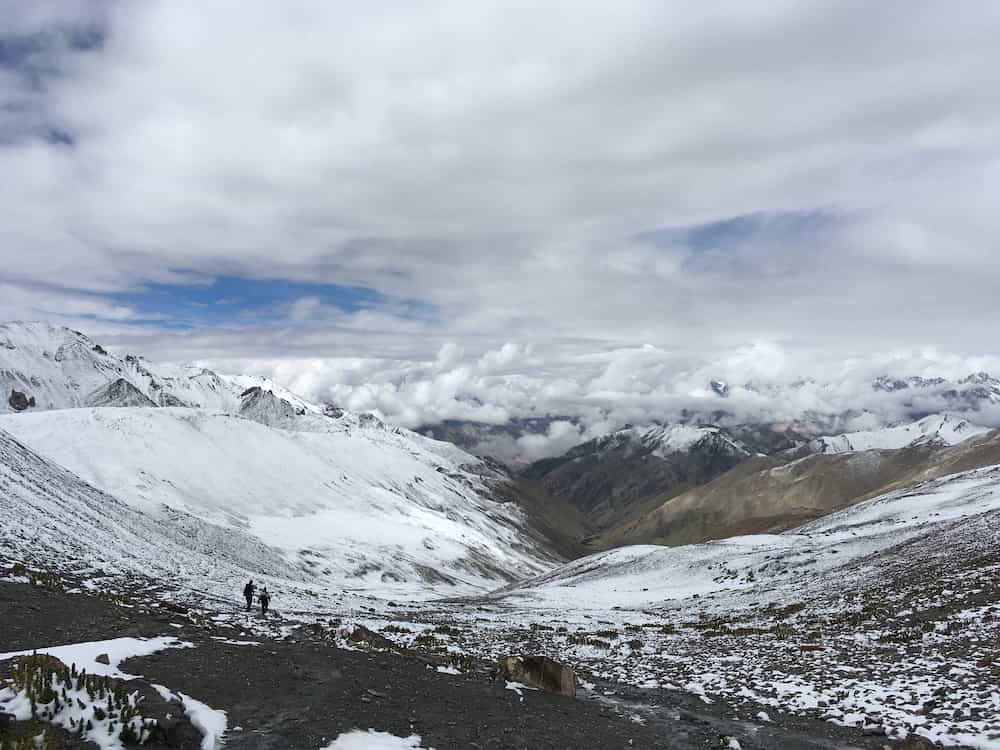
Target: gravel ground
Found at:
302, 692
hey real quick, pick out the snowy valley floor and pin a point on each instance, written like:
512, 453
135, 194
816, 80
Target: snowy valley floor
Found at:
877, 626
282, 686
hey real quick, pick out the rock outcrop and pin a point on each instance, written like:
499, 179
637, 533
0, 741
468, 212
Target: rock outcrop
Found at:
19, 401
120, 393
539, 672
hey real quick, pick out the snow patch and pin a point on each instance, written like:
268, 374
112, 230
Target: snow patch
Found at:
84, 655
372, 740
211, 722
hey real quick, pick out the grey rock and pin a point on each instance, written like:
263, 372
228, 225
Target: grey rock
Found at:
539, 672
19, 401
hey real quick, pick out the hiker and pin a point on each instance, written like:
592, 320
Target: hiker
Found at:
265, 600
248, 594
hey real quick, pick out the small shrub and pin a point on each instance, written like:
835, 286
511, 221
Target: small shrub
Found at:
395, 629
584, 640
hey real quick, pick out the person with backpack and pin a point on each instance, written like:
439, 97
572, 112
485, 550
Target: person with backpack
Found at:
248, 594
265, 600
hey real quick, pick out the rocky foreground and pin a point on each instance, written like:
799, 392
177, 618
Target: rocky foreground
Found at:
285, 685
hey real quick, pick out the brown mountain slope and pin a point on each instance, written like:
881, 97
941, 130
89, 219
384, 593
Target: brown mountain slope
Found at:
624, 475
767, 495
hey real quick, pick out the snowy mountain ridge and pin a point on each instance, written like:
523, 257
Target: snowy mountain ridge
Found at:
944, 429
335, 496
661, 440
52, 517
60, 368
358, 508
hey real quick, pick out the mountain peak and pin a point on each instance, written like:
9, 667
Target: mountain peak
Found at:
263, 406
119, 392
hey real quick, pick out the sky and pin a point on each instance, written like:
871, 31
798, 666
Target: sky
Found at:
483, 210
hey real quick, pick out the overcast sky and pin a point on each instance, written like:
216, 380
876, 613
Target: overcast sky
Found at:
472, 209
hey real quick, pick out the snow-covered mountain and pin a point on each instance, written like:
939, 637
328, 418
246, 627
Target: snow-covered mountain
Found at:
767, 493
942, 429
53, 519
877, 615
336, 496
643, 575
59, 368
678, 438
366, 508
626, 473
970, 391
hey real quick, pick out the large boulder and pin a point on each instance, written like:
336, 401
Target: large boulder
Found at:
361, 634
20, 401
539, 672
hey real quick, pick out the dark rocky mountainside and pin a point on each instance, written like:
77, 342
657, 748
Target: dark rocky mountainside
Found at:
773, 493
622, 475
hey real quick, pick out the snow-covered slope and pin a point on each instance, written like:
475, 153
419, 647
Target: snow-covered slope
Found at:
361, 507
61, 368
943, 429
51, 518
644, 575
56, 366
883, 616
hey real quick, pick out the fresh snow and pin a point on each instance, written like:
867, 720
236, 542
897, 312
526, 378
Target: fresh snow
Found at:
673, 438
721, 619
372, 740
311, 502
211, 722
79, 705
79, 708
51, 518
517, 687
63, 369
642, 575
665, 440
938, 428
84, 655
368, 509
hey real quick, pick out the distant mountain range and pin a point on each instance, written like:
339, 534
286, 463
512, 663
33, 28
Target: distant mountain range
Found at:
975, 396
648, 555
321, 486
58, 368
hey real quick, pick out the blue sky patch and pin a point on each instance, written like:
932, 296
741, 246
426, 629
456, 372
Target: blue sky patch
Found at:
730, 233
236, 299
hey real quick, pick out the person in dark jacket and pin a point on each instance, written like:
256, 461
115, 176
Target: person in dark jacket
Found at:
265, 600
248, 594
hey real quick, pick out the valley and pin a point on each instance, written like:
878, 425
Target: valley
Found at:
709, 585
